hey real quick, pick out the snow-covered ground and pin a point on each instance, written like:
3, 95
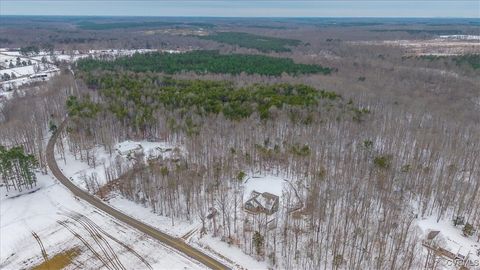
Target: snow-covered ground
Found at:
452, 239
41, 211
268, 183
213, 246
20, 71
28, 71
28, 78
436, 46
464, 37
77, 170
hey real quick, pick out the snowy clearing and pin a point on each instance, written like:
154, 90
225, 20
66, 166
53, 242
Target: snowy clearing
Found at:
269, 183
452, 239
464, 37
437, 46
54, 214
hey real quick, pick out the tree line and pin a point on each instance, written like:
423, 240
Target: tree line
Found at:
135, 99
471, 60
203, 62
246, 40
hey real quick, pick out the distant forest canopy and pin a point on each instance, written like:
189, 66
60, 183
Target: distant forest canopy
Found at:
88, 25
203, 62
136, 98
261, 43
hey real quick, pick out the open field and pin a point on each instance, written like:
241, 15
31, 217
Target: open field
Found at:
439, 47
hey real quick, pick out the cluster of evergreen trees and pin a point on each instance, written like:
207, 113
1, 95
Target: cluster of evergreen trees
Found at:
134, 98
84, 108
204, 62
30, 50
261, 43
17, 168
470, 59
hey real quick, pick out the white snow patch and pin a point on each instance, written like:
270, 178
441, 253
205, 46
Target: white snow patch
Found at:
454, 240
150, 149
20, 71
230, 252
462, 37
269, 183
146, 215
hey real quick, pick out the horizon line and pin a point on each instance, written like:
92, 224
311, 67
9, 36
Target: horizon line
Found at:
233, 17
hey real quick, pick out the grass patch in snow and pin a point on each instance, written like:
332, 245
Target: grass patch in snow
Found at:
60, 260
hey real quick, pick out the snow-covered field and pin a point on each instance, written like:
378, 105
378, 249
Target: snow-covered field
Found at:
55, 215
461, 37
21, 71
443, 46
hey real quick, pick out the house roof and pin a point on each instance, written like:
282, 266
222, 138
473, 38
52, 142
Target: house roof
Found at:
265, 201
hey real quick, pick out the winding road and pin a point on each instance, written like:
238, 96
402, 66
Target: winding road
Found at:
166, 239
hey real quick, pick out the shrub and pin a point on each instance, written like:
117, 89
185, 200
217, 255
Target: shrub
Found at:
368, 144
468, 230
241, 175
301, 150
382, 162
258, 241
458, 220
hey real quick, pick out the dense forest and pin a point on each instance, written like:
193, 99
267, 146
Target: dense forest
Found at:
261, 43
349, 177
204, 62
134, 98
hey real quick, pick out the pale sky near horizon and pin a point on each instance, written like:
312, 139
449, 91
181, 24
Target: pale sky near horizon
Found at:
246, 8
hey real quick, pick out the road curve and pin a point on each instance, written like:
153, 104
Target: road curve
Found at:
166, 239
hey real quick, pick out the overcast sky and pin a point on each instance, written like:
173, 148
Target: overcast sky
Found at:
246, 8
